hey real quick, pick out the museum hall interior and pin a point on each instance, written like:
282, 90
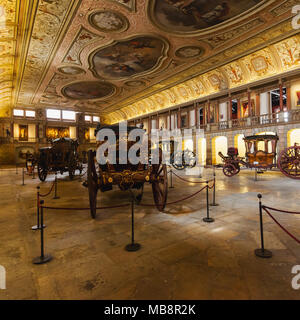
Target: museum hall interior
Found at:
149, 150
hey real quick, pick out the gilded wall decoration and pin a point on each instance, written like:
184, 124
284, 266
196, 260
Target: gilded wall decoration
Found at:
289, 51
83, 38
108, 21
7, 43
128, 58
192, 15
70, 70
234, 73
260, 64
48, 19
86, 90
189, 52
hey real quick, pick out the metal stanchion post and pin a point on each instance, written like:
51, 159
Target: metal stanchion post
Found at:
262, 252
23, 173
37, 226
131, 247
16, 168
55, 187
214, 204
207, 219
44, 258
255, 174
171, 178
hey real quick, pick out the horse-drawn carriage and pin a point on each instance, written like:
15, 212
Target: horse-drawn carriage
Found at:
179, 159
61, 157
127, 176
288, 160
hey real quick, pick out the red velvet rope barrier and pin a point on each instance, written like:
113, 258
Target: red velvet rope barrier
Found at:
125, 205
281, 226
291, 212
177, 201
77, 209
47, 194
196, 182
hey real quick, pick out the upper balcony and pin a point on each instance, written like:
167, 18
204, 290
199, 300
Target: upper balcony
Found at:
280, 118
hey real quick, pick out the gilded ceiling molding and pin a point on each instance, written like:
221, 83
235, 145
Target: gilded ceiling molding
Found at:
284, 7
83, 38
46, 37
260, 40
128, 4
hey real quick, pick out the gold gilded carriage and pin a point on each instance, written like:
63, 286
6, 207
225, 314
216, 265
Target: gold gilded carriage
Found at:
288, 161
126, 176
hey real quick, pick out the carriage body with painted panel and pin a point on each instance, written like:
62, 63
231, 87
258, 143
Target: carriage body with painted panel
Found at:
261, 154
127, 176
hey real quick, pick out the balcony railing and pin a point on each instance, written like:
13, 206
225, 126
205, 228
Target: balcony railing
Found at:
263, 120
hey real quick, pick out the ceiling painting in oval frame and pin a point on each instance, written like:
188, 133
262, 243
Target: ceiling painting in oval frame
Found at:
108, 21
190, 16
88, 90
128, 58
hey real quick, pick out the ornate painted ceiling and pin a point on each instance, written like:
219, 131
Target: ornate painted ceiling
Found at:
127, 58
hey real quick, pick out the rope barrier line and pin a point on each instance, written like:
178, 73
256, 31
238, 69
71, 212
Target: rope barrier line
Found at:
280, 225
196, 182
283, 211
174, 202
125, 205
78, 209
47, 194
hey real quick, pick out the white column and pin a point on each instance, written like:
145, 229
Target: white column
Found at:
223, 111
264, 103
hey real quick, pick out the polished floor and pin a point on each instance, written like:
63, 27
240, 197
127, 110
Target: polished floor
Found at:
181, 256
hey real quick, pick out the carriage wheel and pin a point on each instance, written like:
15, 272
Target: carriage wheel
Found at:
289, 162
92, 183
160, 185
177, 161
42, 172
230, 170
190, 159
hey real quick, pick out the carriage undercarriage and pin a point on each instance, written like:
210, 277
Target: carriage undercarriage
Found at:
128, 179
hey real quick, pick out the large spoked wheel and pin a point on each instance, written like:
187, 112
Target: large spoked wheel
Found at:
230, 170
177, 161
289, 162
160, 184
92, 183
190, 159
42, 170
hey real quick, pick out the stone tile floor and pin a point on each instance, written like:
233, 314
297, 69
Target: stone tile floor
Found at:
181, 257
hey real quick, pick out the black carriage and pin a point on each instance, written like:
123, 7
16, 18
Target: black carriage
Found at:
61, 156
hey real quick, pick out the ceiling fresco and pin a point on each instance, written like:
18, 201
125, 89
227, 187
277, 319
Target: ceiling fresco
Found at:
128, 58
125, 58
192, 15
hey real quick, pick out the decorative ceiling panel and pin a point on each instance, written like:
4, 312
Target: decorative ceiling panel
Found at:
124, 58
